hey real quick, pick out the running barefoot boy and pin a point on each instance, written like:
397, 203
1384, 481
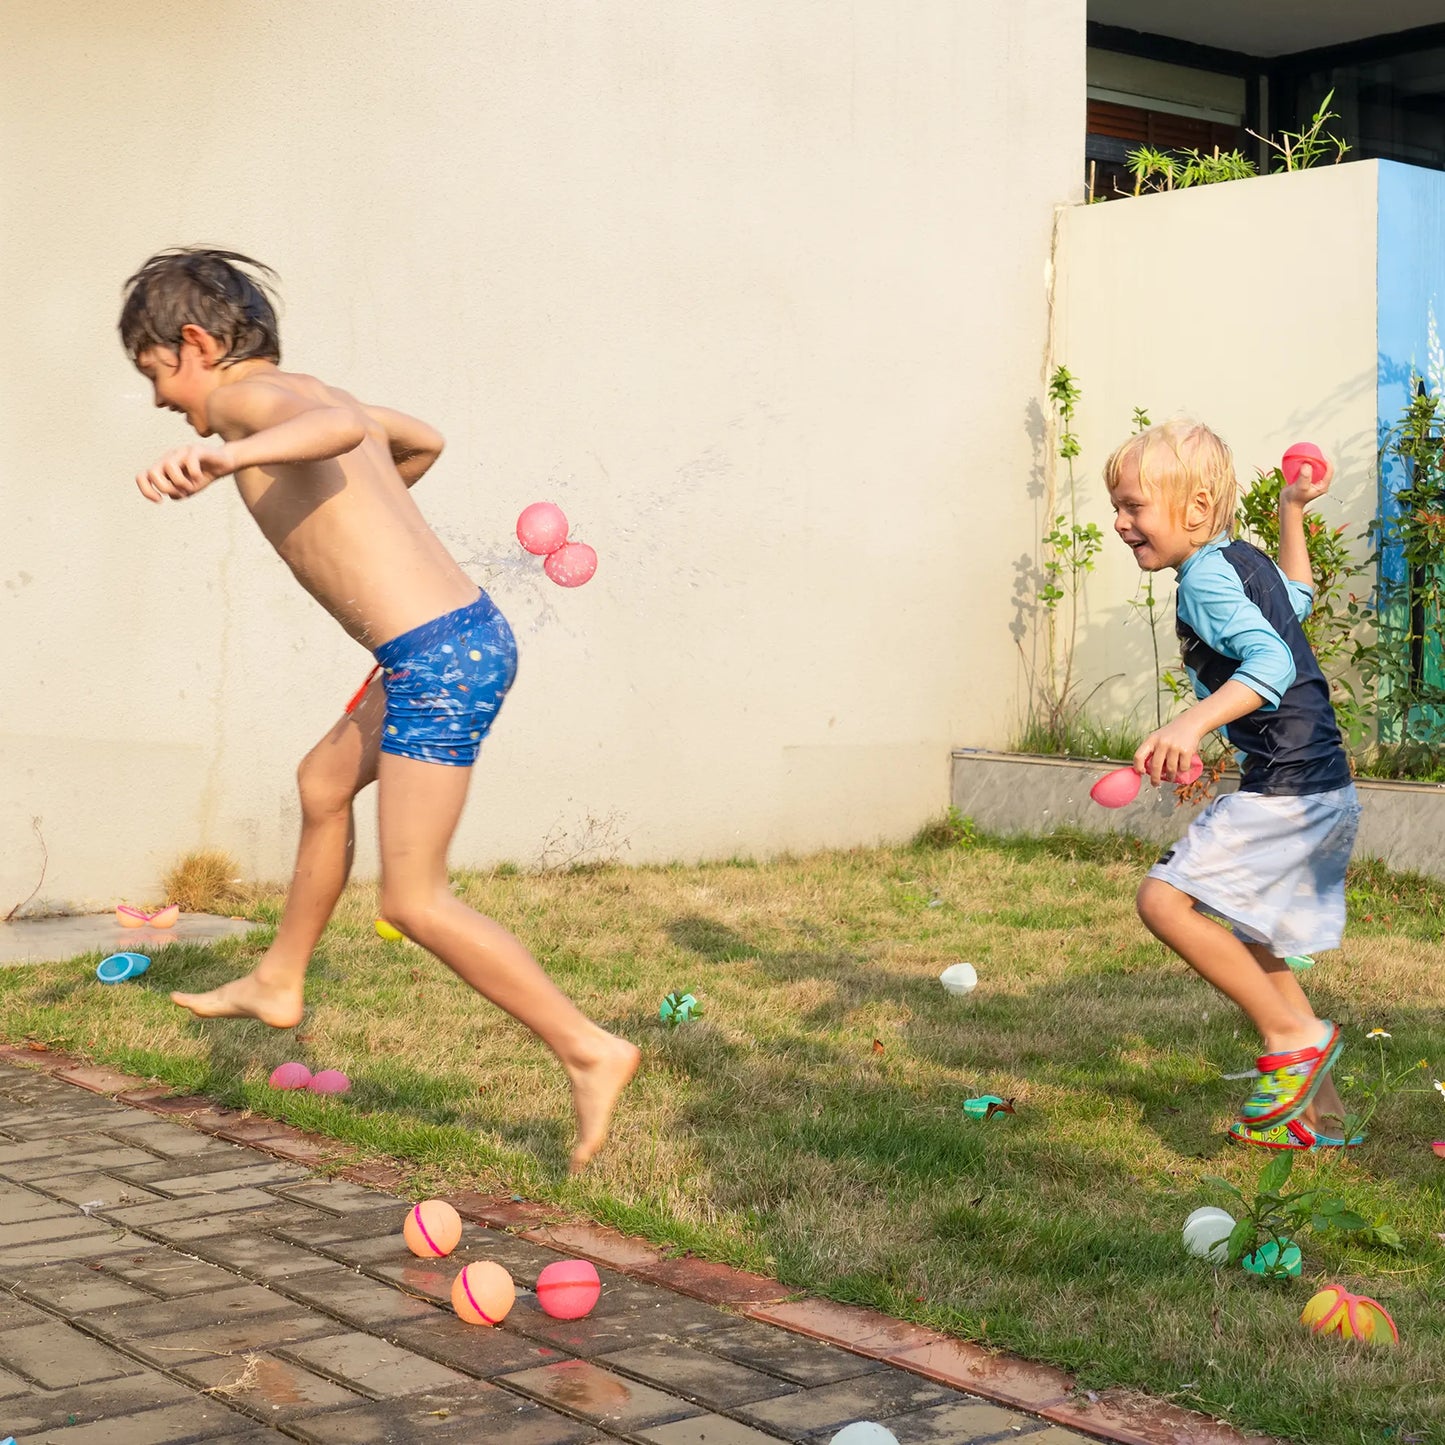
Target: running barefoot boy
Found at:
327, 480
1269, 860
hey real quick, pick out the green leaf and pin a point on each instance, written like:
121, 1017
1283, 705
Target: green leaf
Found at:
1242, 1240
1275, 1172
1222, 1184
1349, 1221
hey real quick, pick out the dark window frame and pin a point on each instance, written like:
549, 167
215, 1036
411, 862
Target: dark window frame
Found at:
1283, 72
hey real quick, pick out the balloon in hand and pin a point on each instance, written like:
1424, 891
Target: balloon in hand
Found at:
1297, 456
1119, 788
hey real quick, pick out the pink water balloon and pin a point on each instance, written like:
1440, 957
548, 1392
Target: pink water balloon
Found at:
571, 565
542, 528
1119, 788
329, 1081
290, 1076
1297, 456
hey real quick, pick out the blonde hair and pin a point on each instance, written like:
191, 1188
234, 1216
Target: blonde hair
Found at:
1176, 460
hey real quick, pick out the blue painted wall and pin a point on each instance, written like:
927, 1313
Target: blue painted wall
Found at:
1410, 289
1411, 292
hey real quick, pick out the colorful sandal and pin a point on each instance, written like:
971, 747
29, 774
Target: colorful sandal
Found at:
1332, 1141
1293, 1135
1289, 1081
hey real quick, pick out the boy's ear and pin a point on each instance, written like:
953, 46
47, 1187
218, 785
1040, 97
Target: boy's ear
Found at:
1197, 509
211, 351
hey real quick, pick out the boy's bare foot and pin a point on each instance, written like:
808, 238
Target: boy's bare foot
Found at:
247, 998
595, 1090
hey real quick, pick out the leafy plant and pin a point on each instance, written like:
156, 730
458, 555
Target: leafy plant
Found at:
953, 830
1157, 170
1081, 736
1413, 761
1334, 627
1069, 551
1301, 149
1272, 1220
679, 1008
1406, 666
1160, 170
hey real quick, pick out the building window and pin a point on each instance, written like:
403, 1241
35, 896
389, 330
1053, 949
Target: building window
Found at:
1135, 101
1390, 109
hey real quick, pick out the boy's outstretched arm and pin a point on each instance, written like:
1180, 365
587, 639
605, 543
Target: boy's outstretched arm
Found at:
414, 444
261, 426
1311, 484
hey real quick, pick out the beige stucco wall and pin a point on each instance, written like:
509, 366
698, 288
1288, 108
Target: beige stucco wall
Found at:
756, 290
1249, 305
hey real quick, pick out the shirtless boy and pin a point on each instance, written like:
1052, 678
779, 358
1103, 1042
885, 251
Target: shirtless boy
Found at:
327, 480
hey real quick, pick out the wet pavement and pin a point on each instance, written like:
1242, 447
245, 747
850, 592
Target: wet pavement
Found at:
52, 940
165, 1286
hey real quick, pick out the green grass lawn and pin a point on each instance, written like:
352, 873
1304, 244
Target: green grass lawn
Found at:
776, 1134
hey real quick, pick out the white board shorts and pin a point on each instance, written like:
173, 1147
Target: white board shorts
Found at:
1272, 866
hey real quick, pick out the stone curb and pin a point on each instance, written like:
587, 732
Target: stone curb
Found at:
1123, 1417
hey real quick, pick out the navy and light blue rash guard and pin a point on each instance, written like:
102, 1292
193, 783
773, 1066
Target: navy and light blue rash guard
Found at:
1238, 616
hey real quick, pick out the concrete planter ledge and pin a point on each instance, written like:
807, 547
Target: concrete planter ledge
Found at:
1403, 823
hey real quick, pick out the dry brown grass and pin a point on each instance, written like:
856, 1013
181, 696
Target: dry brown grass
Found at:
207, 881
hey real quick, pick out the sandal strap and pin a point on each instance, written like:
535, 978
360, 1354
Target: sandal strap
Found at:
1271, 1063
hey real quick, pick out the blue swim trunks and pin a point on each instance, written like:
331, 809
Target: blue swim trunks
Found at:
445, 682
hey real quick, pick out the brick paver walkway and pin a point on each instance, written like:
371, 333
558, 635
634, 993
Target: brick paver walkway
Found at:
166, 1286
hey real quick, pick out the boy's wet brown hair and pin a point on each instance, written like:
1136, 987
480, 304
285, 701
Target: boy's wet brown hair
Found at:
212, 289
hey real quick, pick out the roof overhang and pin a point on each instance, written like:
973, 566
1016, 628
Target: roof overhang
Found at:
1268, 28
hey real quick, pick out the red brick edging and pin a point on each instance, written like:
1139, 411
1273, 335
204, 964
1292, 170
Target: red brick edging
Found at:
1124, 1417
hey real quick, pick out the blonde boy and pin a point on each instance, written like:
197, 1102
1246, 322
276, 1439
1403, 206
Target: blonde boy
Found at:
327, 480
1268, 860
